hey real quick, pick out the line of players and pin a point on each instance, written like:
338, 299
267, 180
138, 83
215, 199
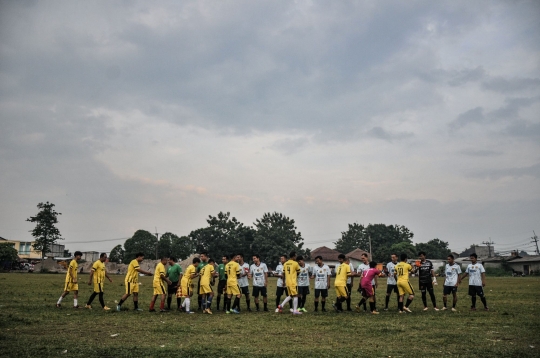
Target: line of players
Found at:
293, 281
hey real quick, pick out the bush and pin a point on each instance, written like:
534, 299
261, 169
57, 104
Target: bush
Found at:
497, 272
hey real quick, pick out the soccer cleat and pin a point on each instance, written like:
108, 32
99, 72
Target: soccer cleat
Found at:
444, 309
454, 310
88, 306
163, 310
400, 312
118, 308
77, 307
138, 309
277, 310
358, 309
256, 310
407, 309
316, 310
473, 308
228, 312
296, 312
249, 309
324, 310
385, 309
208, 311
58, 305
190, 312
235, 311
425, 308
486, 308
291, 310
303, 310
335, 307
280, 309
265, 309
349, 309
435, 309
106, 308
374, 312
151, 310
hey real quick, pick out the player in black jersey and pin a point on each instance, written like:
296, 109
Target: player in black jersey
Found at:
427, 279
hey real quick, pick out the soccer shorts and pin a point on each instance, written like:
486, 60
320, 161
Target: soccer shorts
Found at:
449, 289
184, 290
405, 287
390, 288
98, 287
425, 286
222, 286
367, 291
280, 291
172, 287
476, 290
303, 290
205, 289
292, 290
70, 286
321, 292
132, 287
245, 290
233, 290
159, 289
259, 290
341, 291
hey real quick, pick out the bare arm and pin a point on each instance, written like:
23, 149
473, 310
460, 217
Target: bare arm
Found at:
90, 278
144, 272
483, 279
106, 275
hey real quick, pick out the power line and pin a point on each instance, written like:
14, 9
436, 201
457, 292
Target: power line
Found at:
535, 240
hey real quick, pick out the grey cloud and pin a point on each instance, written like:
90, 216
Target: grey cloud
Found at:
467, 75
495, 174
290, 146
474, 115
480, 153
523, 129
503, 85
380, 133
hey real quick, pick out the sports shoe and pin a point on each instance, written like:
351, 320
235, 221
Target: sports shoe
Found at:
349, 309
118, 308
316, 310
454, 310
358, 309
385, 309
58, 305
407, 309
324, 310
280, 309
400, 312
303, 310
235, 311
163, 310
207, 311
190, 312
291, 310
77, 307
374, 312
335, 307
473, 308
151, 310
444, 309
486, 308
426, 308
435, 309
228, 312
138, 309
265, 309
296, 312
249, 309
277, 310
88, 306
106, 308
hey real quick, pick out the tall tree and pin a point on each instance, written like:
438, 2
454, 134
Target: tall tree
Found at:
164, 244
403, 247
142, 241
276, 235
434, 249
353, 238
46, 233
117, 254
181, 247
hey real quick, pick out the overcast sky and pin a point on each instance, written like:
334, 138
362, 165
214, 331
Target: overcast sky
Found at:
134, 115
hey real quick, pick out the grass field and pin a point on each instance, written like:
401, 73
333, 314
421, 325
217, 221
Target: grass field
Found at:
30, 325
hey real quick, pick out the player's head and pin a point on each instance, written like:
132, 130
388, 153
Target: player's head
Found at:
240, 257
139, 256
77, 255
164, 260
292, 255
224, 259
422, 255
403, 257
450, 259
103, 257
394, 258
211, 261
256, 259
341, 258
283, 259
172, 260
372, 264
473, 257
300, 260
196, 260
204, 256
365, 258
318, 260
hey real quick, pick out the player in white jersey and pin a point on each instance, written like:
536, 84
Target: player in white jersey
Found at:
363, 267
321, 273
391, 284
452, 272
243, 282
477, 281
259, 273
303, 282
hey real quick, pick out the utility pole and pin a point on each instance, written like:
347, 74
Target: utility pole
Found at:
157, 242
488, 243
535, 240
370, 254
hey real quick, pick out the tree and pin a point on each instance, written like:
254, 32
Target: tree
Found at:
276, 235
67, 253
181, 247
142, 241
46, 233
164, 244
8, 253
117, 254
403, 248
353, 238
434, 249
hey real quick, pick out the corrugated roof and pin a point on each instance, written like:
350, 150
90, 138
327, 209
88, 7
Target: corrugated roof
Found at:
532, 258
326, 253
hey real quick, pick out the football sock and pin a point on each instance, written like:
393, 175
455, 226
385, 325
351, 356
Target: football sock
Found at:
178, 302
400, 305
236, 302
218, 301
162, 305
295, 303
169, 299
136, 304
316, 305
444, 302
287, 299
473, 300
120, 303
362, 302
265, 305
278, 300
257, 305
432, 296
152, 303
348, 300
386, 301
483, 299
248, 303
323, 303
209, 302
408, 302
424, 299
454, 304
101, 300
92, 296
59, 300
304, 301
75, 302
372, 306
187, 302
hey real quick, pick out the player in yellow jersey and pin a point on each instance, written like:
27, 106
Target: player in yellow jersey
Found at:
71, 281
291, 268
207, 273
402, 271
160, 275
185, 290
97, 275
132, 281
233, 271
343, 272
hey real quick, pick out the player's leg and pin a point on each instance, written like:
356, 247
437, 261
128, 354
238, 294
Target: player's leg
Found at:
265, 299
444, 299
480, 292
153, 301
472, 293
248, 301
387, 298
454, 300
92, 296
432, 296
424, 296
255, 295
76, 299
324, 294
348, 299
317, 294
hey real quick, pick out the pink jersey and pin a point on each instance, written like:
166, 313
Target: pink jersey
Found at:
368, 276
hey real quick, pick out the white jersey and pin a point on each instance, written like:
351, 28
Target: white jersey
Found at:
475, 274
303, 275
257, 272
322, 275
452, 273
243, 280
279, 271
363, 268
391, 270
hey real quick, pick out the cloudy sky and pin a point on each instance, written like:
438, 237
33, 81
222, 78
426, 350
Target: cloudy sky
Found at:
135, 115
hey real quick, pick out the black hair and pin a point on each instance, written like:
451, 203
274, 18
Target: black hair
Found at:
318, 257
292, 254
196, 260
172, 258
285, 256
257, 256
300, 258
77, 253
242, 255
373, 264
422, 253
204, 253
102, 255
365, 254
164, 257
233, 256
139, 254
210, 261
403, 257
452, 256
471, 255
393, 253
341, 256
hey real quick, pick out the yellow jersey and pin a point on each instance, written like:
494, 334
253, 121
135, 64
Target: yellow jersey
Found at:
206, 274
342, 273
73, 266
402, 271
132, 273
291, 269
186, 279
232, 270
160, 270
98, 268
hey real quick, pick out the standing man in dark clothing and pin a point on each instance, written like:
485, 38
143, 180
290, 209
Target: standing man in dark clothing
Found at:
427, 280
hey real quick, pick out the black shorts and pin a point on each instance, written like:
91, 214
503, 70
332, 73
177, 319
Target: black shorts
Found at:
222, 287
244, 290
425, 286
281, 290
476, 290
321, 292
390, 288
449, 289
259, 289
172, 287
303, 290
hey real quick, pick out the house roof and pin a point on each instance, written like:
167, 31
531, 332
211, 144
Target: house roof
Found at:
501, 258
326, 253
531, 258
357, 254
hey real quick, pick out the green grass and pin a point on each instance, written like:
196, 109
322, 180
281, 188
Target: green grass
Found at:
30, 325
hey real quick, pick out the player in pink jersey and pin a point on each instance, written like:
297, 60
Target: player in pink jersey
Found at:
367, 287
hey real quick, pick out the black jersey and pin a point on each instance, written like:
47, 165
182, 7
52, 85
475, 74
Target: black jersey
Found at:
425, 271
